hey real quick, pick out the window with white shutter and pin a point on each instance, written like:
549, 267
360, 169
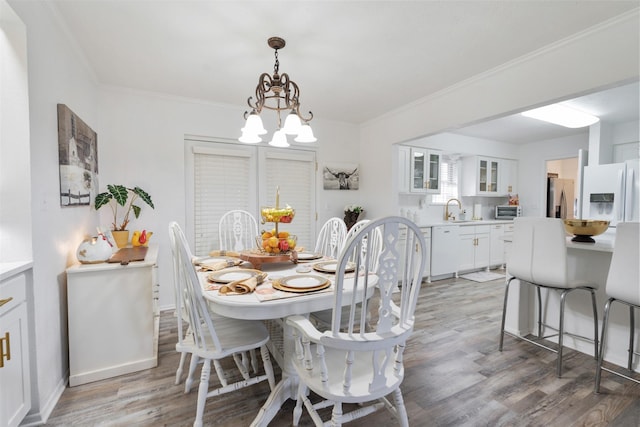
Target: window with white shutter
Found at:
448, 181
222, 176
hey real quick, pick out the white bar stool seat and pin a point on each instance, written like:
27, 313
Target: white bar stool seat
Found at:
539, 257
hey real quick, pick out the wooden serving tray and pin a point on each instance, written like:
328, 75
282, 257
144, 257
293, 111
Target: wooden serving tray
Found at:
257, 259
126, 255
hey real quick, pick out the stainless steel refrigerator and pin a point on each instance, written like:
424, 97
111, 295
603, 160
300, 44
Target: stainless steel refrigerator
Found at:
560, 198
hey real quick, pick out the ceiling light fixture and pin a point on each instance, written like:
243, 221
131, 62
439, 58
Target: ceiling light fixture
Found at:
562, 115
277, 93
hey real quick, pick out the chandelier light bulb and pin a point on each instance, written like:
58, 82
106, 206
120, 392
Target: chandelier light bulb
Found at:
254, 125
279, 139
306, 134
292, 124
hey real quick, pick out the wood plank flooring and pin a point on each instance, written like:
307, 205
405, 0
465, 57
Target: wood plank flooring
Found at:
455, 376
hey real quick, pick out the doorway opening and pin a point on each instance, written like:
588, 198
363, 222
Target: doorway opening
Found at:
562, 199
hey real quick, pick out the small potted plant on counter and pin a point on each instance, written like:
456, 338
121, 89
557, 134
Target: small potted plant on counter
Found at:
352, 214
119, 195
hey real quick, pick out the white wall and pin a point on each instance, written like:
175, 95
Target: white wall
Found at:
56, 75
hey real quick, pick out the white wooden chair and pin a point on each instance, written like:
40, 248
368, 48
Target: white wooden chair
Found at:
623, 286
357, 365
370, 251
538, 256
237, 230
212, 338
331, 237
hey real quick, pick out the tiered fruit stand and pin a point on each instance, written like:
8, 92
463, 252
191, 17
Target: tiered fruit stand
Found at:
268, 251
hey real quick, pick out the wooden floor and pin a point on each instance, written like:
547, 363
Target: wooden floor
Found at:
454, 376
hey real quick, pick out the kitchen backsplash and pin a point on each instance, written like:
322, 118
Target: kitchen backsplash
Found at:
421, 211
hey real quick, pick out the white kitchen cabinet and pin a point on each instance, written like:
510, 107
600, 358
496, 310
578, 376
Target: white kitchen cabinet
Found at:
113, 318
424, 171
426, 232
480, 176
15, 378
474, 251
496, 247
508, 177
507, 238
444, 249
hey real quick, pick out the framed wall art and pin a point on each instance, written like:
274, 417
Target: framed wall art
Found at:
77, 159
345, 176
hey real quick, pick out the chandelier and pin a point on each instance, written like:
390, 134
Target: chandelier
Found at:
278, 93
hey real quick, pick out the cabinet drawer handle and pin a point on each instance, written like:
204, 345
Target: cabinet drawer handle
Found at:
7, 340
4, 301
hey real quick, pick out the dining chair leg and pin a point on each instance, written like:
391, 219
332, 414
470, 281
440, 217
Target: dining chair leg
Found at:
268, 366
603, 340
563, 298
192, 369
203, 389
254, 360
220, 373
336, 415
403, 419
297, 411
183, 357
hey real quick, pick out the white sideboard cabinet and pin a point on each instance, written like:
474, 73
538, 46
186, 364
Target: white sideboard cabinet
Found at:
113, 318
15, 377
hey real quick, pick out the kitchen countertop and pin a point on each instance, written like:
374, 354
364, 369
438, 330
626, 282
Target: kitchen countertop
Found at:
465, 222
8, 269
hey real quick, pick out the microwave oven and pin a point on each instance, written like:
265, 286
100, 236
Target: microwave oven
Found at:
508, 211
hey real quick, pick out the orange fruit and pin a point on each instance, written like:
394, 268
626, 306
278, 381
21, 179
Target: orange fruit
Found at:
283, 234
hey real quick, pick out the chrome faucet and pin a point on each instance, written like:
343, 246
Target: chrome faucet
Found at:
448, 215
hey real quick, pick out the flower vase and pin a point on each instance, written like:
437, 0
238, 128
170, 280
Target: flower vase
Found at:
121, 238
350, 218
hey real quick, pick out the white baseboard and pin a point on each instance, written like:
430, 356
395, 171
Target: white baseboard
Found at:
39, 416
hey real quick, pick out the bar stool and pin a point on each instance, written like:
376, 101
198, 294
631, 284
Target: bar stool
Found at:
539, 257
623, 286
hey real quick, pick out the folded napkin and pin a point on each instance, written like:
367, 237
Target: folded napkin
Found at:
224, 253
241, 287
219, 265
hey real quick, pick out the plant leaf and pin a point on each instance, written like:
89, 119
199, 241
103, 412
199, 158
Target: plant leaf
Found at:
144, 196
102, 199
136, 210
120, 193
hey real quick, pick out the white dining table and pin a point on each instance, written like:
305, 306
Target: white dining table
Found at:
274, 312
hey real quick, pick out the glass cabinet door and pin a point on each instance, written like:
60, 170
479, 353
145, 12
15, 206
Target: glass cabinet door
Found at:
418, 167
482, 180
433, 183
493, 177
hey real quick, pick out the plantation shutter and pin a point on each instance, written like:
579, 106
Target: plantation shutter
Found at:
222, 176
222, 181
294, 173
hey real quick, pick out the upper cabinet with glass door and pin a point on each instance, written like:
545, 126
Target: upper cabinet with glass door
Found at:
480, 176
424, 171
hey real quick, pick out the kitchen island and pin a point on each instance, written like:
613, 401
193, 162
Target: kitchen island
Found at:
591, 262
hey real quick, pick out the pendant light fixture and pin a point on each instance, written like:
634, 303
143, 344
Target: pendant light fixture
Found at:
280, 94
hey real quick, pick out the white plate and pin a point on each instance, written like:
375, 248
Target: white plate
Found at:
308, 256
226, 276
303, 282
331, 266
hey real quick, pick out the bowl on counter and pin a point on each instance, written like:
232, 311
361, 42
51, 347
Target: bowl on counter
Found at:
584, 229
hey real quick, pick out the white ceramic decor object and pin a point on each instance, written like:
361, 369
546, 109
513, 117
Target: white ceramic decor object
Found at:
94, 250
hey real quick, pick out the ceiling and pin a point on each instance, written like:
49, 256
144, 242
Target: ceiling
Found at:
353, 60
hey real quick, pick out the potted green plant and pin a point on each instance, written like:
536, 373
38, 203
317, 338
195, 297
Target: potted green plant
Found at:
120, 195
